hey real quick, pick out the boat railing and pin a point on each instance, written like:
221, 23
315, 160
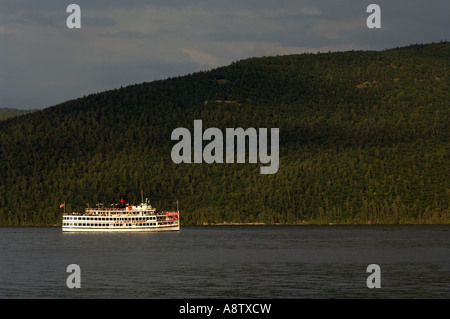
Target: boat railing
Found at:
128, 212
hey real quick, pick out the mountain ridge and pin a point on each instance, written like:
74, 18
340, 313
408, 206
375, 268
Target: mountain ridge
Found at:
363, 139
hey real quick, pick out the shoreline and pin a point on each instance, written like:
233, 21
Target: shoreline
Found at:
276, 224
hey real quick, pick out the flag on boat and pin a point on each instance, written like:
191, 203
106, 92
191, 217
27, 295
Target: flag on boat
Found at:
61, 206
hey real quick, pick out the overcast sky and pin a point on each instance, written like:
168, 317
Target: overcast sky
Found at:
43, 63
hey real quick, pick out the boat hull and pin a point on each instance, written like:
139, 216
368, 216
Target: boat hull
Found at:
121, 229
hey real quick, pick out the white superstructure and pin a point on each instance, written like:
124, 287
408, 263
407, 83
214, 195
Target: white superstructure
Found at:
142, 217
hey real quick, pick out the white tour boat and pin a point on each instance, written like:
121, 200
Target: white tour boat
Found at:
125, 218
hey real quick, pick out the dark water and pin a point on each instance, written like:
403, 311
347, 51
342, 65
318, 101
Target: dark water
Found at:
228, 262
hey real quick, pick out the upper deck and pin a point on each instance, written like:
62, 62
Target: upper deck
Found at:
143, 209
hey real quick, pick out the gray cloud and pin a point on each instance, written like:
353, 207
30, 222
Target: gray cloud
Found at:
42, 62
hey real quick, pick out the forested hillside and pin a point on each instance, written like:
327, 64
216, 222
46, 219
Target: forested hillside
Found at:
364, 138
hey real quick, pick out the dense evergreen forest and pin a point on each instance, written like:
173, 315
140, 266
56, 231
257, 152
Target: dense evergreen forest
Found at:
364, 138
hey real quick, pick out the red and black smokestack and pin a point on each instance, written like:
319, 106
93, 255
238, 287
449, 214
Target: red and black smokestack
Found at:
122, 202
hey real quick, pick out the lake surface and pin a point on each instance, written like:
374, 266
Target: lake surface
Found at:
228, 262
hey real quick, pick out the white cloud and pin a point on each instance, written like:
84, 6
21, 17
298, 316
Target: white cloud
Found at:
310, 11
202, 58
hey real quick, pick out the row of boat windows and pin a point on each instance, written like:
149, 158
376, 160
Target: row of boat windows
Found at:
110, 218
108, 225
